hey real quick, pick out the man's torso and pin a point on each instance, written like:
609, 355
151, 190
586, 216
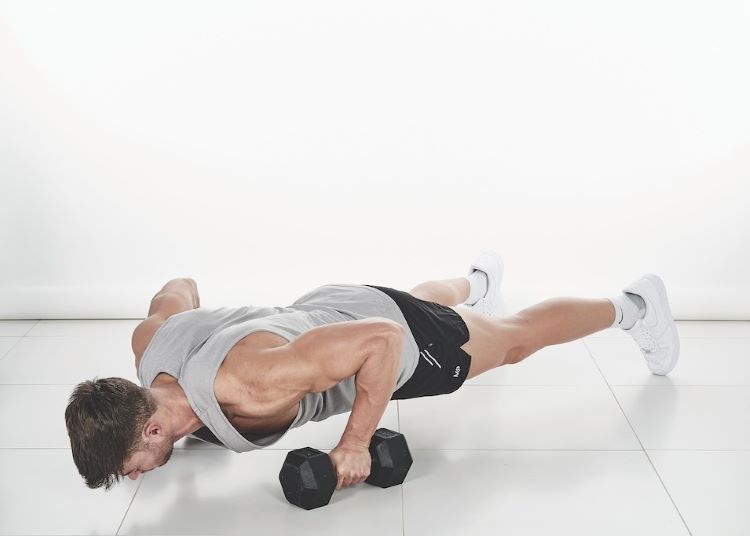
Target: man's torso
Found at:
236, 384
253, 406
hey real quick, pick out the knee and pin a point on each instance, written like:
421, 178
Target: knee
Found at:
424, 291
522, 341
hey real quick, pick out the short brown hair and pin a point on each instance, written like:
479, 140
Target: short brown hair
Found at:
104, 418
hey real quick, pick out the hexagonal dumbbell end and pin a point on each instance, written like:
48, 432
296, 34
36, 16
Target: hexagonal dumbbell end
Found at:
391, 458
307, 478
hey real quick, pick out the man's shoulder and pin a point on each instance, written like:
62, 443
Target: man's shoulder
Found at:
142, 335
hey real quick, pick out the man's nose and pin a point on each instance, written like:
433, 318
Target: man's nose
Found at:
134, 474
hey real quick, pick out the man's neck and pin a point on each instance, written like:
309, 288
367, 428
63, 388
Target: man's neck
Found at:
174, 403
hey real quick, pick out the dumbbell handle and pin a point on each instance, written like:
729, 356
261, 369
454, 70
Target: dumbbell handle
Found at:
309, 452
390, 456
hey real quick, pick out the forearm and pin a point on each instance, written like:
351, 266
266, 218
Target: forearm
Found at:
375, 383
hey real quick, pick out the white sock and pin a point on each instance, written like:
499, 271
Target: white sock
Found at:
628, 308
477, 286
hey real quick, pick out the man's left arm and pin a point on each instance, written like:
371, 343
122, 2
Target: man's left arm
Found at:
374, 383
368, 349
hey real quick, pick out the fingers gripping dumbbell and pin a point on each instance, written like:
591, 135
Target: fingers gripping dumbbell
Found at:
308, 479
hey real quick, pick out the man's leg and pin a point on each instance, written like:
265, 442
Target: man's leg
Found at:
443, 291
494, 342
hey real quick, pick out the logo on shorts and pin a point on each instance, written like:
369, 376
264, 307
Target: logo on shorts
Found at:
458, 369
423, 352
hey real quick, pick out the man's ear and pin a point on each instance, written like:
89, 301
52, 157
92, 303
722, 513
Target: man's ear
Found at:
151, 429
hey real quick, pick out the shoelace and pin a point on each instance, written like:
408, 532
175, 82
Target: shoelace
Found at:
645, 339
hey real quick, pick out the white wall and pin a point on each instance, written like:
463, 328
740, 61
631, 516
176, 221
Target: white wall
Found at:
267, 148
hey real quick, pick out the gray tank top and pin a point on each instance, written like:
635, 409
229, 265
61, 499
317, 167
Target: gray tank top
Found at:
191, 346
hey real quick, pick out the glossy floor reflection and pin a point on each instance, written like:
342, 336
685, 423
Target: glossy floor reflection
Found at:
579, 439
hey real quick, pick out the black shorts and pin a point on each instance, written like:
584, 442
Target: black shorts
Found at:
439, 332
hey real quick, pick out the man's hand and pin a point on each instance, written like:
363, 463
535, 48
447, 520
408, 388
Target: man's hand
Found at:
352, 464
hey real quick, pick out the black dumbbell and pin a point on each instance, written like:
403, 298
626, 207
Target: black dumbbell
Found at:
309, 480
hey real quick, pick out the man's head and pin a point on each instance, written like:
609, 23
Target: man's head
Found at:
115, 430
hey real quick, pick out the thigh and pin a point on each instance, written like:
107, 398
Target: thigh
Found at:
439, 332
492, 342
441, 370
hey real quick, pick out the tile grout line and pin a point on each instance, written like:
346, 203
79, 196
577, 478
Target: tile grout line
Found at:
32, 327
330, 447
403, 522
643, 449
460, 449
106, 336
37, 384
576, 385
545, 385
6, 354
398, 416
269, 449
681, 337
18, 341
117, 532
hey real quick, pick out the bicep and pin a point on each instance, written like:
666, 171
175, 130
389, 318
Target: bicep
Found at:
162, 307
142, 335
327, 354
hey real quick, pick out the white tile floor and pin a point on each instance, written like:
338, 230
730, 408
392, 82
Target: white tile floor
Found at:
579, 439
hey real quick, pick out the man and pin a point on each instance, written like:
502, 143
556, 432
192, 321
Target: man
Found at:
242, 377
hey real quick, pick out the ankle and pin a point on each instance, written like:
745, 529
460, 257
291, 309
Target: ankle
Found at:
629, 308
478, 282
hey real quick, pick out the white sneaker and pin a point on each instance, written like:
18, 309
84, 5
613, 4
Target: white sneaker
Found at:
491, 304
656, 333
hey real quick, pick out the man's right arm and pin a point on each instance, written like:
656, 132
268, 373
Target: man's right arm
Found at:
327, 354
176, 296
320, 357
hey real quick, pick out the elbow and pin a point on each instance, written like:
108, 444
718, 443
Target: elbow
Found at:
401, 330
394, 339
394, 329
394, 349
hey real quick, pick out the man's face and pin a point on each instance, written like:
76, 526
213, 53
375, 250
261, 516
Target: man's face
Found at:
148, 458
